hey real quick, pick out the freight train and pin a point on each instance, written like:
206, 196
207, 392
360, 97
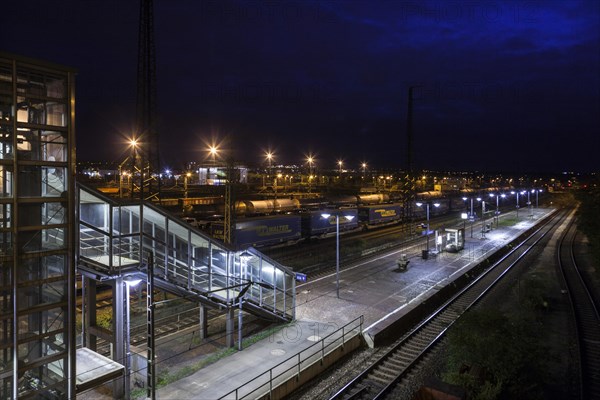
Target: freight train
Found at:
287, 229
275, 222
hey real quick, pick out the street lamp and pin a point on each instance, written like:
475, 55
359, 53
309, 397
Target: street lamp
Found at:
517, 193
129, 282
185, 184
213, 151
133, 143
427, 233
340, 162
337, 247
269, 157
471, 214
364, 168
310, 161
482, 217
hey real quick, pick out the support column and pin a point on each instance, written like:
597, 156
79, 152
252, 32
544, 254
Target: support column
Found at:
229, 327
118, 342
88, 305
203, 322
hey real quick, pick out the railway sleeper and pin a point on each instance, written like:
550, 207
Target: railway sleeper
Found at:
396, 362
409, 358
413, 347
380, 379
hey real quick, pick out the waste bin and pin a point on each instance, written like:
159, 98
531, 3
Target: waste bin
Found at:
425, 254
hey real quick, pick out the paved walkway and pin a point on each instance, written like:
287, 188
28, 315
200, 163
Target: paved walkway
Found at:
374, 289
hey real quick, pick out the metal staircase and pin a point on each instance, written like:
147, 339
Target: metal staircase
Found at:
115, 239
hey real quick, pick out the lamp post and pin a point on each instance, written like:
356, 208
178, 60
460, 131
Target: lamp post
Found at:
529, 202
482, 217
185, 184
427, 233
364, 170
337, 247
471, 215
310, 160
340, 162
517, 193
129, 282
133, 143
269, 157
536, 197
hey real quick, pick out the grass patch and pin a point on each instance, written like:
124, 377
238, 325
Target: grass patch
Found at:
167, 377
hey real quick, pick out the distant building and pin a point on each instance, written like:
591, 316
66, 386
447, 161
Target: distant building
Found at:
37, 211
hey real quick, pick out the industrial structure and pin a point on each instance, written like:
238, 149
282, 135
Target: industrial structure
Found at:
37, 238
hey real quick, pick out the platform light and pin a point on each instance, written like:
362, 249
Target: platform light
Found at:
419, 204
129, 282
337, 247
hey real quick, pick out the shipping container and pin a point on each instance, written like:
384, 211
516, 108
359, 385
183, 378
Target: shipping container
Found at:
262, 231
379, 214
315, 225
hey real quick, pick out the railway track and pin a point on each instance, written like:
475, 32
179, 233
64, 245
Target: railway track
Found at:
587, 320
388, 371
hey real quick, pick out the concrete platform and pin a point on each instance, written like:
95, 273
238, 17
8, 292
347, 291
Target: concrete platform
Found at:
373, 288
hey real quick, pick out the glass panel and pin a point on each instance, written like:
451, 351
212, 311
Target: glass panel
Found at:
94, 212
38, 181
154, 224
5, 243
38, 323
44, 267
41, 214
6, 145
42, 145
43, 293
57, 114
5, 215
55, 87
43, 239
126, 220
92, 244
127, 250
6, 107
218, 267
6, 181
6, 78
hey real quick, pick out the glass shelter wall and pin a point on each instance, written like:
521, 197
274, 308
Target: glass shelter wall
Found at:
110, 240
36, 243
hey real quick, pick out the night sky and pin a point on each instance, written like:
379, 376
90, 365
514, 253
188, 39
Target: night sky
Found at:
504, 85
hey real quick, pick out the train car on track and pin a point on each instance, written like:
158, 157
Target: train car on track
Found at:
314, 225
378, 215
262, 231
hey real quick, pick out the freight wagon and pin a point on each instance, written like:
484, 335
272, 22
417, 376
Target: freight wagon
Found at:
381, 214
262, 231
314, 225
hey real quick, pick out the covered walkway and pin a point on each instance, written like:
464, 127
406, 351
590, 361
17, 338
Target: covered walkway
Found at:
117, 240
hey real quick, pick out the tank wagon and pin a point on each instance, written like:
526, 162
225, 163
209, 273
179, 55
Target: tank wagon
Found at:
263, 207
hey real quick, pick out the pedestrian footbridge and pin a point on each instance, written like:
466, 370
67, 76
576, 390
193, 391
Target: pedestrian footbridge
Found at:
116, 240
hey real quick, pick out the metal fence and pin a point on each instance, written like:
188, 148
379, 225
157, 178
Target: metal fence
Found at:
265, 383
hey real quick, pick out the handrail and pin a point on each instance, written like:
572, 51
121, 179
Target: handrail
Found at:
320, 346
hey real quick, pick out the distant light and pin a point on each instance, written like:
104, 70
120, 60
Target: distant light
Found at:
349, 217
436, 204
325, 215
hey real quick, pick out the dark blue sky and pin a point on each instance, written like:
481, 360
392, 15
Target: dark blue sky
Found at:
505, 85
